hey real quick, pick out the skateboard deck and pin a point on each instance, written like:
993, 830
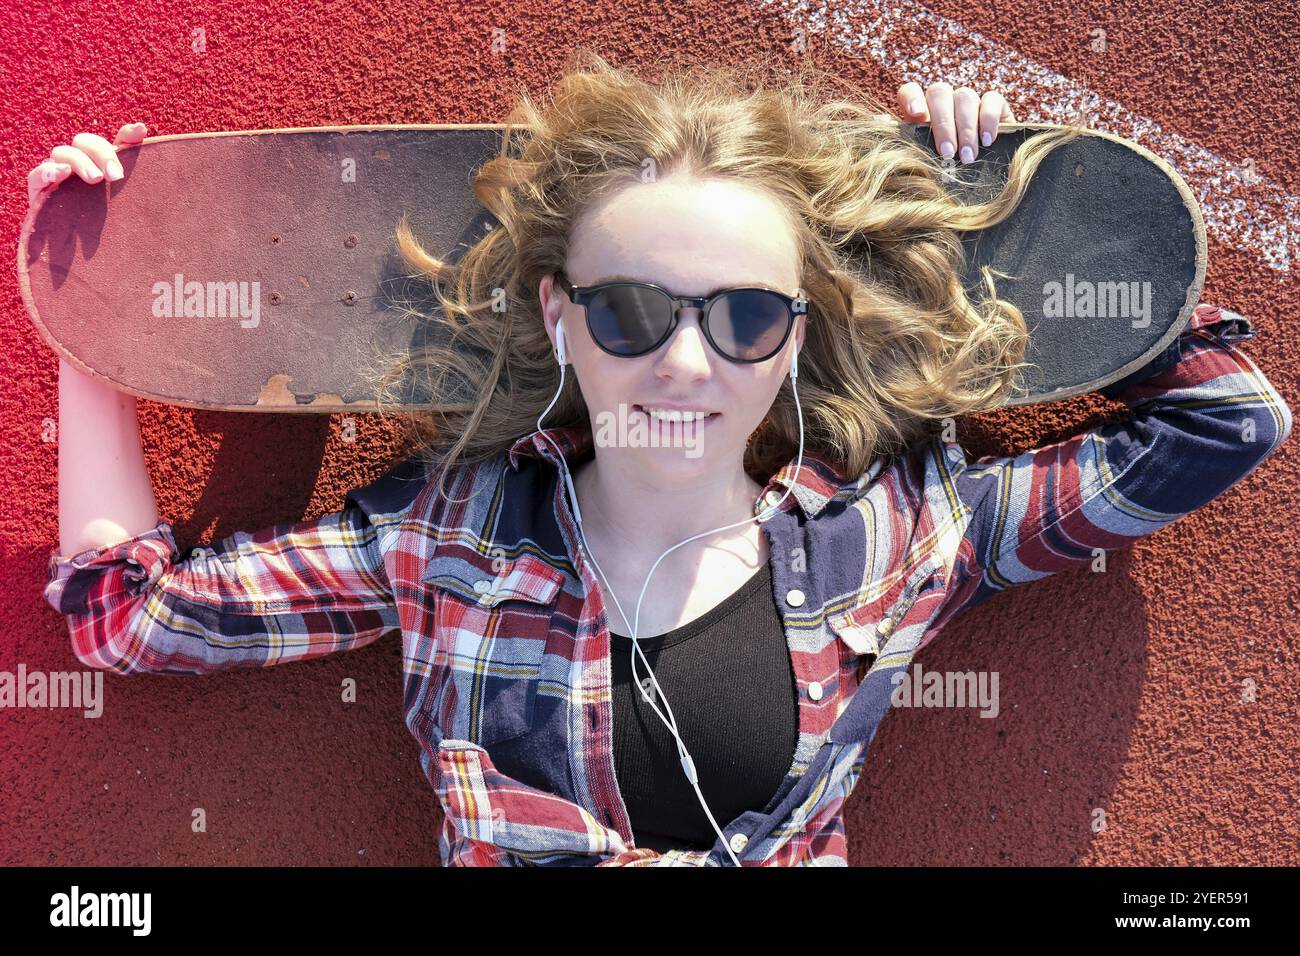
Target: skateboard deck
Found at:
257, 270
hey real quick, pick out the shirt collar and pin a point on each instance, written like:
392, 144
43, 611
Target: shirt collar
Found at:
817, 481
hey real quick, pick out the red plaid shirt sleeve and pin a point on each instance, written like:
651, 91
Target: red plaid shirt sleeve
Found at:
289, 592
1205, 417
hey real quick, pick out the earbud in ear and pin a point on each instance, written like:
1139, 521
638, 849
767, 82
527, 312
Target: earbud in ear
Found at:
561, 355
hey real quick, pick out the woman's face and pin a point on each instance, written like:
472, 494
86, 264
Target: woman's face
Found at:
690, 237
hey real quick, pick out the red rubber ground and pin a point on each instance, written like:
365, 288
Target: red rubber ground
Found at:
1120, 691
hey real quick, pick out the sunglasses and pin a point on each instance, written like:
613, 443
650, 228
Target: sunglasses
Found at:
627, 318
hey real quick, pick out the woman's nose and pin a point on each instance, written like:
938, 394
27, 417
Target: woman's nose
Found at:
686, 354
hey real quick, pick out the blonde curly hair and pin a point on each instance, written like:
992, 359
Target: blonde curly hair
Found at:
893, 343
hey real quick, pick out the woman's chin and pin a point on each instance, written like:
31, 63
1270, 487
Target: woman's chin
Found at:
687, 461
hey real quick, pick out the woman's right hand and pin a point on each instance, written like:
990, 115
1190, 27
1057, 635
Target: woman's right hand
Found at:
92, 156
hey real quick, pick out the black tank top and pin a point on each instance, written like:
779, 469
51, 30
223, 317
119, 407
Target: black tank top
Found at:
728, 678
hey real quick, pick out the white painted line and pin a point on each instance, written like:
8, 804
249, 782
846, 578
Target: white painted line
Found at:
1242, 208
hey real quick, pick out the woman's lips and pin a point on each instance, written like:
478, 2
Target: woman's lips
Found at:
633, 427
678, 428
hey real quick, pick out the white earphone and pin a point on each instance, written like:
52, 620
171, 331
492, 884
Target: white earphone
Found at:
560, 355
688, 765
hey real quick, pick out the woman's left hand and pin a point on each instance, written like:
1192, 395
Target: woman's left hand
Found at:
960, 120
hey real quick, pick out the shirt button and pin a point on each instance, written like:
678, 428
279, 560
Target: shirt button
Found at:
815, 690
738, 842
773, 497
794, 597
482, 587
885, 626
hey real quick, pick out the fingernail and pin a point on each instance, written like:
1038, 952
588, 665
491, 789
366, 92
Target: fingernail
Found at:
967, 154
946, 149
986, 138
94, 175
115, 171
917, 105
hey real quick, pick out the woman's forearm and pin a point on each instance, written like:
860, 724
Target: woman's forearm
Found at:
104, 491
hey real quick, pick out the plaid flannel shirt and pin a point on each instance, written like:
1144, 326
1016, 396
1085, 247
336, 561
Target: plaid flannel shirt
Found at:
505, 644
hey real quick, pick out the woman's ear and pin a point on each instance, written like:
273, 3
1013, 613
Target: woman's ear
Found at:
552, 305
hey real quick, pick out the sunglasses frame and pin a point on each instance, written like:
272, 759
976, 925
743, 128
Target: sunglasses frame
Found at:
582, 295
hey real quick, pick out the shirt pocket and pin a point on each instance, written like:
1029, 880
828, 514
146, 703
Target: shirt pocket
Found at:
881, 630
492, 618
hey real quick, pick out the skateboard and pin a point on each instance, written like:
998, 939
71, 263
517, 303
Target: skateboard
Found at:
258, 270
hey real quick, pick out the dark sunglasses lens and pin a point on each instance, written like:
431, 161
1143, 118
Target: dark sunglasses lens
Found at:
750, 325
628, 320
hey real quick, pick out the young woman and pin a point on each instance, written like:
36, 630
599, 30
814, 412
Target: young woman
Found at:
679, 521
